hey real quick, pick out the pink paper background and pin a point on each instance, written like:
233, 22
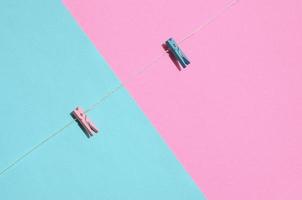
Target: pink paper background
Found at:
233, 117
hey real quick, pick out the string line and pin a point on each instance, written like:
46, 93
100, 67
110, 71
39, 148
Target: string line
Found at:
121, 85
36, 146
210, 19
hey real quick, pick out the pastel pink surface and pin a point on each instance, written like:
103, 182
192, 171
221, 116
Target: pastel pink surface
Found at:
233, 117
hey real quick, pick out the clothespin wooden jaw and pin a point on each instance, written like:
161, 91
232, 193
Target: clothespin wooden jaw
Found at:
177, 52
86, 125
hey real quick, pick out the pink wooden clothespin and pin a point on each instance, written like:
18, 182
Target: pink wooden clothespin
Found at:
86, 125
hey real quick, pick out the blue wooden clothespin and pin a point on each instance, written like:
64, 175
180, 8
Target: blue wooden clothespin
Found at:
177, 52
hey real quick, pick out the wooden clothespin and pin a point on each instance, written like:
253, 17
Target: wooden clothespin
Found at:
177, 52
86, 125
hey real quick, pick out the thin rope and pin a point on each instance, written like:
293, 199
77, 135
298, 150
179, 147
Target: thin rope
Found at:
155, 60
36, 147
120, 86
211, 19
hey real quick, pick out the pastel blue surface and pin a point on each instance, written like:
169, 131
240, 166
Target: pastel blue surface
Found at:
48, 67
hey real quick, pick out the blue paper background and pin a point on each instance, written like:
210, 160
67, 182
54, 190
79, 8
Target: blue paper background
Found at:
47, 68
